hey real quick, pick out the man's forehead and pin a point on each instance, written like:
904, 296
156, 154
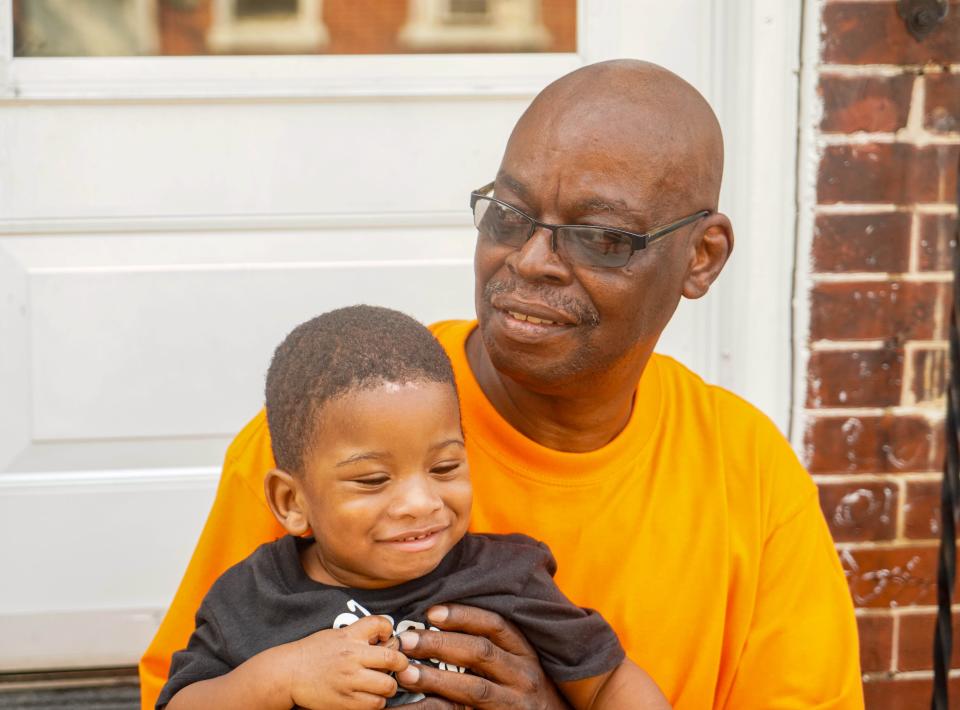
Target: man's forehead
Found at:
583, 191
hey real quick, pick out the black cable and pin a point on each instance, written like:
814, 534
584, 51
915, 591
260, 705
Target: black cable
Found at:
949, 498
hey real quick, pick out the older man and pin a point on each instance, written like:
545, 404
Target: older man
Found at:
672, 506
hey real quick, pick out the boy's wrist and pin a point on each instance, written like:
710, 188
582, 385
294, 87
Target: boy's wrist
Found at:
273, 672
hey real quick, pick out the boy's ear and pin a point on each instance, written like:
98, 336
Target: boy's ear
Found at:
283, 496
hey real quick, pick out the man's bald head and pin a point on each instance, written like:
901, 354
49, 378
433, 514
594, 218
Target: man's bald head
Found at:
625, 145
644, 115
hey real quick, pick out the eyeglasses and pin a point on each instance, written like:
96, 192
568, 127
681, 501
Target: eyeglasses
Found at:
578, 244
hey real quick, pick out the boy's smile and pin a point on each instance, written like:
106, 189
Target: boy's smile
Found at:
386, 486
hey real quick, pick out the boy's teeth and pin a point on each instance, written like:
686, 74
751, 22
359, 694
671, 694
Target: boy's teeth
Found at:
531, 319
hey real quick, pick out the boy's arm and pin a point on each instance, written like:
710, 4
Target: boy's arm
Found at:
238, 523
259, 684
626, 686
343, 668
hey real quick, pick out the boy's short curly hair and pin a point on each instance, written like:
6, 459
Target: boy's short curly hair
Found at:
351, 348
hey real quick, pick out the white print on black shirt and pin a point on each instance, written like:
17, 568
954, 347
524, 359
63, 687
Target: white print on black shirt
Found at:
350, 617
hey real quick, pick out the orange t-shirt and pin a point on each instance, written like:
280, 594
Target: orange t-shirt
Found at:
696, 533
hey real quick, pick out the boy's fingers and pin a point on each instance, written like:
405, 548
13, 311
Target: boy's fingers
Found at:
480, 622
372, 629
383, 659
374, 683
365, 701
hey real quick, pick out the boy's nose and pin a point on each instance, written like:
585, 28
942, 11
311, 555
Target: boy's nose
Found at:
416, 498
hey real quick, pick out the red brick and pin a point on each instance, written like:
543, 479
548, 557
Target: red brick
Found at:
876, 642
890, 310
929, 380
937, 235
897, 173
915, 647
874, 33
906, 694
921, 510
862, 242
858, 378
364, 26
883, 444
941, 111
865, 103
859, 512
892, 577
560, 18
182, 29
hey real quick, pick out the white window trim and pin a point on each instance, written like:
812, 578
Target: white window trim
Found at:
214, 78
304, 32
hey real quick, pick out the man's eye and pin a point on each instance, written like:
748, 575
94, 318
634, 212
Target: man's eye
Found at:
505, 216
602, 241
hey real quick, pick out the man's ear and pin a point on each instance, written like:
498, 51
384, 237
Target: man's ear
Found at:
710, 252
285, 501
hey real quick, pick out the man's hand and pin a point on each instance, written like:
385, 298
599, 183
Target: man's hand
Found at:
345, 668
507, 671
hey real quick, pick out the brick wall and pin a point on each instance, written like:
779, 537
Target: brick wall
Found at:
879, 299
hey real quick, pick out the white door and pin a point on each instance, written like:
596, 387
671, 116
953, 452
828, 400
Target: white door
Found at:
164, 221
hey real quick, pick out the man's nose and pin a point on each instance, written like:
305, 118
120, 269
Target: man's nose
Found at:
537, 261
416, 497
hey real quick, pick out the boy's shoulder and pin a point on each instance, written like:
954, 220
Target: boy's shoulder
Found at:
514, 549
261, 574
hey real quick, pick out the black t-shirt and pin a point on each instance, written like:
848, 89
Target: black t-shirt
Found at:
268, 600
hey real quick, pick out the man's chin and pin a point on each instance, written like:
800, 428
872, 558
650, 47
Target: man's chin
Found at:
537, 368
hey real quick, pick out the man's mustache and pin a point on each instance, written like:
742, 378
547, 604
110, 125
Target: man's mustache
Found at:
583, 313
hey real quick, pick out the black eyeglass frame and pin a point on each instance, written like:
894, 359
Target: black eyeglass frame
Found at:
637, 241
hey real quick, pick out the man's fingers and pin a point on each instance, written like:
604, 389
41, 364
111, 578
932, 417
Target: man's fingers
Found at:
468, 690
434, 704
372, 629
477, 653
480, 622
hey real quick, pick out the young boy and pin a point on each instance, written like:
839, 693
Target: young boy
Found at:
365, 424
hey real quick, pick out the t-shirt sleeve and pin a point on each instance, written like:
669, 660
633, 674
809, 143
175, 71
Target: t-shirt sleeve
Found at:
203, 658
572, 643
238, 523
801, 648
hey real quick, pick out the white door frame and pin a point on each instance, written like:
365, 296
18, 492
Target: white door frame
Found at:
746, 64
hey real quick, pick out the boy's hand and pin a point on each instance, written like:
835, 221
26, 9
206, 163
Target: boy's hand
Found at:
345, 668
508, 673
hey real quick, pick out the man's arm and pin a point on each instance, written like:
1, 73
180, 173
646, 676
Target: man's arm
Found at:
626, 686
801, 649
238, 523
508, 673
509, 676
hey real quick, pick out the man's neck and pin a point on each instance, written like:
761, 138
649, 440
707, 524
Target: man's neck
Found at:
580, 421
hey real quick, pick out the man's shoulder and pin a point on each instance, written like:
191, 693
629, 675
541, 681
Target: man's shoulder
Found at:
747, 441
447, 330
681, 383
